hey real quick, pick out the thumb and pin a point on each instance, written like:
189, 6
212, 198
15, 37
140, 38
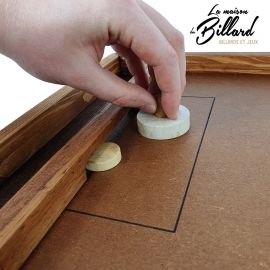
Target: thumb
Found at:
103, 84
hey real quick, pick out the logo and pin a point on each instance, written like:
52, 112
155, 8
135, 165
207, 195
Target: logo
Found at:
225, 24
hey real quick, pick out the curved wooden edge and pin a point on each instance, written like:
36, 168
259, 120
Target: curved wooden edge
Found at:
22, 138
29, 214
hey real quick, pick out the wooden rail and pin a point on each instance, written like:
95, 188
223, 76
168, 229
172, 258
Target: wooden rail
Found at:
22, 138
29, 214
229, 63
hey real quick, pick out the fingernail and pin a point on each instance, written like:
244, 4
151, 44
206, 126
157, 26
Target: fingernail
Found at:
149, 108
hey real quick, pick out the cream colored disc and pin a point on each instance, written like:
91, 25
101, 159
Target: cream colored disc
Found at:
107, 156
153, 127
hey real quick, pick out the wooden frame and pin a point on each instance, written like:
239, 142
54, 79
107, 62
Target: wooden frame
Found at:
29, 214
22, 138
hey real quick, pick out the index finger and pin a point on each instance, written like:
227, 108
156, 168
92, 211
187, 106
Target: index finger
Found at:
140, 34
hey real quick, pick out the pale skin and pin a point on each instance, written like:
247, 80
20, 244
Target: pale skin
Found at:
63, 42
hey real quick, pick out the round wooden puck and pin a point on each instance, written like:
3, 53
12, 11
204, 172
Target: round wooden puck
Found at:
106, 156
153, 127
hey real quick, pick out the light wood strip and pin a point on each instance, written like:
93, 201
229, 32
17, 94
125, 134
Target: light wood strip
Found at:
223, 63
229, 63
22, 138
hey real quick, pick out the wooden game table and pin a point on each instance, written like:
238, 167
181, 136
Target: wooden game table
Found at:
200, 201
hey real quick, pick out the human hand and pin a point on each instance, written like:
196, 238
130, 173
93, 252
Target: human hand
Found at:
63, 42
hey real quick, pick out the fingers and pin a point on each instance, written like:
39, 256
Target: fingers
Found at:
135, 65
88, 75
175, 38
144, 38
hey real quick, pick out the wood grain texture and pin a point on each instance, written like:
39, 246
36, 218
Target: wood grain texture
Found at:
224, 63
26, 218
229, 63
22, 138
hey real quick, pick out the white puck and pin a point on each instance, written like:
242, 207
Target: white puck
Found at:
106, 156
156, 128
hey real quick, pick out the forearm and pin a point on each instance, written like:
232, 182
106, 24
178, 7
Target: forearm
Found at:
3, 24
7, 11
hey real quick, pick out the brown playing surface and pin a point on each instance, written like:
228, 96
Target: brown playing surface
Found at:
142, 215
159, 171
